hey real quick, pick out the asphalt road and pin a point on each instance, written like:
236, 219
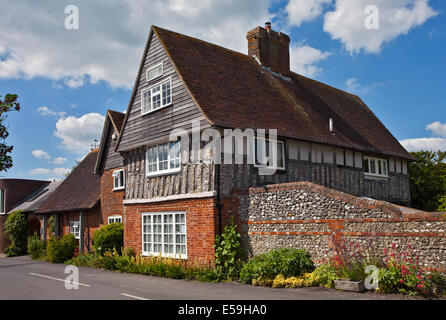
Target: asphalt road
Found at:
22, 278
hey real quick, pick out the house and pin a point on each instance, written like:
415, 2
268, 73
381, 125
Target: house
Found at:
33, 202
177, 197
12, 193
110, 167
75, 204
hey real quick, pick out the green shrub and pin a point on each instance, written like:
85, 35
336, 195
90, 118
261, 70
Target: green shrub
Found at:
61, 250
16, 229
83, 260
325, 275
228, 253
36, 247
109, 237
287, 262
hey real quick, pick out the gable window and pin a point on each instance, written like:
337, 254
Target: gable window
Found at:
262, 152
74, 229
155, 72
164, 233
164, 158
2, 201
156, 97
118, 179
114, 219
375, 167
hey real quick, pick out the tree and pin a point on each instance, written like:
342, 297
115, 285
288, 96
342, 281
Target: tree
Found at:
428, 180
10, 103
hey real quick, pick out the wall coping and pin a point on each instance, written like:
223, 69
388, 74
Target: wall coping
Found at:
385, 206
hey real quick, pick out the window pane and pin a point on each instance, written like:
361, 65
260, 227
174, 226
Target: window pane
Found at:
155, 72
280, 163
162, 157
366, 165
260, 152
385, 168
372, 166
146, 98
166, 93
151, 160
156, 97
380, 170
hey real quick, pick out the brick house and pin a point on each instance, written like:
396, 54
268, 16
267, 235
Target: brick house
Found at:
176, 199
75, 204
12, 193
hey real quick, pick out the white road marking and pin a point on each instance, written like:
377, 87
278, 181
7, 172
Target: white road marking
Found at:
134, 297
63, 280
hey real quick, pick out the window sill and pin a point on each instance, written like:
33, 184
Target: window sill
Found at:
164, 255
376, 177
163, 173
152, 111
118, 189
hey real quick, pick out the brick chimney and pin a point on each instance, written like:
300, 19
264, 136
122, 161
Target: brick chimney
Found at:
271, 47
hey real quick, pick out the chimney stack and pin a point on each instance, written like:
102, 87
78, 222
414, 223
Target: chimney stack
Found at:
271, 48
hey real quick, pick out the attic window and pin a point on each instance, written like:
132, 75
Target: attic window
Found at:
375, 167
156, 97
155, 72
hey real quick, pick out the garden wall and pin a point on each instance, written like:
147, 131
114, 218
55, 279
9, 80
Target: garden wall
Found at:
306, 215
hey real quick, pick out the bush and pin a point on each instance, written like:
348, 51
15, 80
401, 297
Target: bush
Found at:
228, 253
36, 247
287, 262
325, 275
61, 250
16, 229
109, 237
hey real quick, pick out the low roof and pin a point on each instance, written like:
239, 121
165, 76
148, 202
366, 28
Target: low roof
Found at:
36, 199
232, 90
79, 191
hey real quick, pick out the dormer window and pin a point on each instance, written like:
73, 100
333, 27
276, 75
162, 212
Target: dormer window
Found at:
155, 72
156, 97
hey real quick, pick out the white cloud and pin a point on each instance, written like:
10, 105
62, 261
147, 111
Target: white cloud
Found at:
60, 160
438, 128
396, 17
77, 134
303, 59
352, 85
45, 111
418, 144
40, 154
39, 171
304, 10
112, 34
61, 171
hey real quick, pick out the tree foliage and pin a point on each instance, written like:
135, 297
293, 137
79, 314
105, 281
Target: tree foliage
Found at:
16, 228
428, 180
9, 103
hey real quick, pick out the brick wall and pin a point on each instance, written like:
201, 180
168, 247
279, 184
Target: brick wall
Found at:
111, 201
200, 225
318, 219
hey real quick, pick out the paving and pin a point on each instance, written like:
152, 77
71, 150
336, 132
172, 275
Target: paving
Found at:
22, 278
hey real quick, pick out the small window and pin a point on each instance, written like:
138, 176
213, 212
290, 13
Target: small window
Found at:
74, 229
115, 219
155, 72
375, 167
262, 154
164, 234
2, 201
156, 97
163, 158
118, 180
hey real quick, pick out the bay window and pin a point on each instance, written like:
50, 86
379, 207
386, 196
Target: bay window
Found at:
164, 233
163, 158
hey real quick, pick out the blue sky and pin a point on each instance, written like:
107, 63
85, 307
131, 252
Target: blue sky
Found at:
67, 79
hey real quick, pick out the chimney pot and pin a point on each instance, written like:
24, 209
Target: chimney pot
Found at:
268, 26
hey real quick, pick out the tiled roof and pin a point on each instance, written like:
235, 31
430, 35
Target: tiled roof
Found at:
79, 191
233, 90
35, 200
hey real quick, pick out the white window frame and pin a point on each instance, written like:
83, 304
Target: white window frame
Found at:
163, 254
165, 171
3, 200
256, 165
160, 83
112, 219
115, 175
152, 68
77, 234
384, 164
